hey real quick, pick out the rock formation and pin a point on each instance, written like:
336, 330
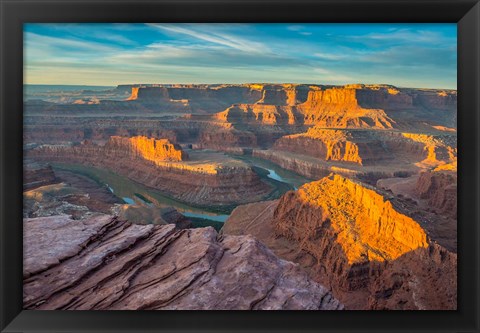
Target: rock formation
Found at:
440, 189
197, 181
353, 240
360, 147
437, 150
309, 169
260, 114
339, 107
149, 149
37, 175
425, 279
224, 139
366, 226
152, 215
150, 94
102, 263
365, 154
327, 144
71, 194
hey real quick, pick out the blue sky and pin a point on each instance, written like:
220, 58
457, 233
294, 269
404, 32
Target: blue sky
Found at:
405, 55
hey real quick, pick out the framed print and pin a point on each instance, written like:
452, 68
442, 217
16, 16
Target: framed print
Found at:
174, 166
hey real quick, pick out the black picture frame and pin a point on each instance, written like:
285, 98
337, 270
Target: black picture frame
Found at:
466, 13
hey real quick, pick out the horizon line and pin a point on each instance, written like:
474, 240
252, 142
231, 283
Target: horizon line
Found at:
239, 83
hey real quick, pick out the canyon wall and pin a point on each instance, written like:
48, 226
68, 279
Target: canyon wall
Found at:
308, 169
440, 189
261, 114
225, 139
367, 226
339, 108
37, 175
351, 239
196, 182
149, 149
360, 147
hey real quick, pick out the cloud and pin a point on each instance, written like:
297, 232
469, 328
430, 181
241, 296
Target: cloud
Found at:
202, 32
36, 41
403, 37
209, 56
411, 56
295, 27
115, 38
330, 56
300, 29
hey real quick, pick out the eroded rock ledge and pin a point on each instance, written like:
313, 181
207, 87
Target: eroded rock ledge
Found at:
104, 263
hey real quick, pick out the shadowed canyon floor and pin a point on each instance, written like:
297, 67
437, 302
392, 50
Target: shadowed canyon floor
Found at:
324, 197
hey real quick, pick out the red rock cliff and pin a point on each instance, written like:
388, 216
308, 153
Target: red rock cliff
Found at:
440, 188
351, 239
326, 144
197, 182
368, 228
150, 149
339, 107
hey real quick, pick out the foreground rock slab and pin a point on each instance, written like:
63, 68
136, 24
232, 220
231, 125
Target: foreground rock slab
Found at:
104, 263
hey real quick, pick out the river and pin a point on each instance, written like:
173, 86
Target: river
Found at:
133, 193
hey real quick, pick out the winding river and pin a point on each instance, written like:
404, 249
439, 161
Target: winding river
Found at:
133, 193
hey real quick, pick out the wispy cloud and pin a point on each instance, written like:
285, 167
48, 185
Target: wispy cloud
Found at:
35, 41
215, 37
300, 29
208, 56
295, 27
404, 37
330, 56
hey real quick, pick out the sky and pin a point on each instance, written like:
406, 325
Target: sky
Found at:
404, 55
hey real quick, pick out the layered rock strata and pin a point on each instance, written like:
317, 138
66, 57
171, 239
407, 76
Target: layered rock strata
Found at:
340, 108
360, 147
308, 169
350, 106
36, 175
197, 182
102, 263
432, 190
149, 149
353, 240
367, 226
440, 189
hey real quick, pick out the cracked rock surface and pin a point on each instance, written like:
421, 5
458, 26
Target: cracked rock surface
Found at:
104, 263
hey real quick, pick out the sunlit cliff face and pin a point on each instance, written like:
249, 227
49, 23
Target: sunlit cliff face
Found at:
331, 145
438, 153
152, 149
367, 226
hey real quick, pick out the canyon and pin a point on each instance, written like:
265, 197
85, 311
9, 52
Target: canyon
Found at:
161, 165
320, 197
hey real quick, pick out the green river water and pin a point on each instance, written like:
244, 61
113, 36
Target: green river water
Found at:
134, 193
